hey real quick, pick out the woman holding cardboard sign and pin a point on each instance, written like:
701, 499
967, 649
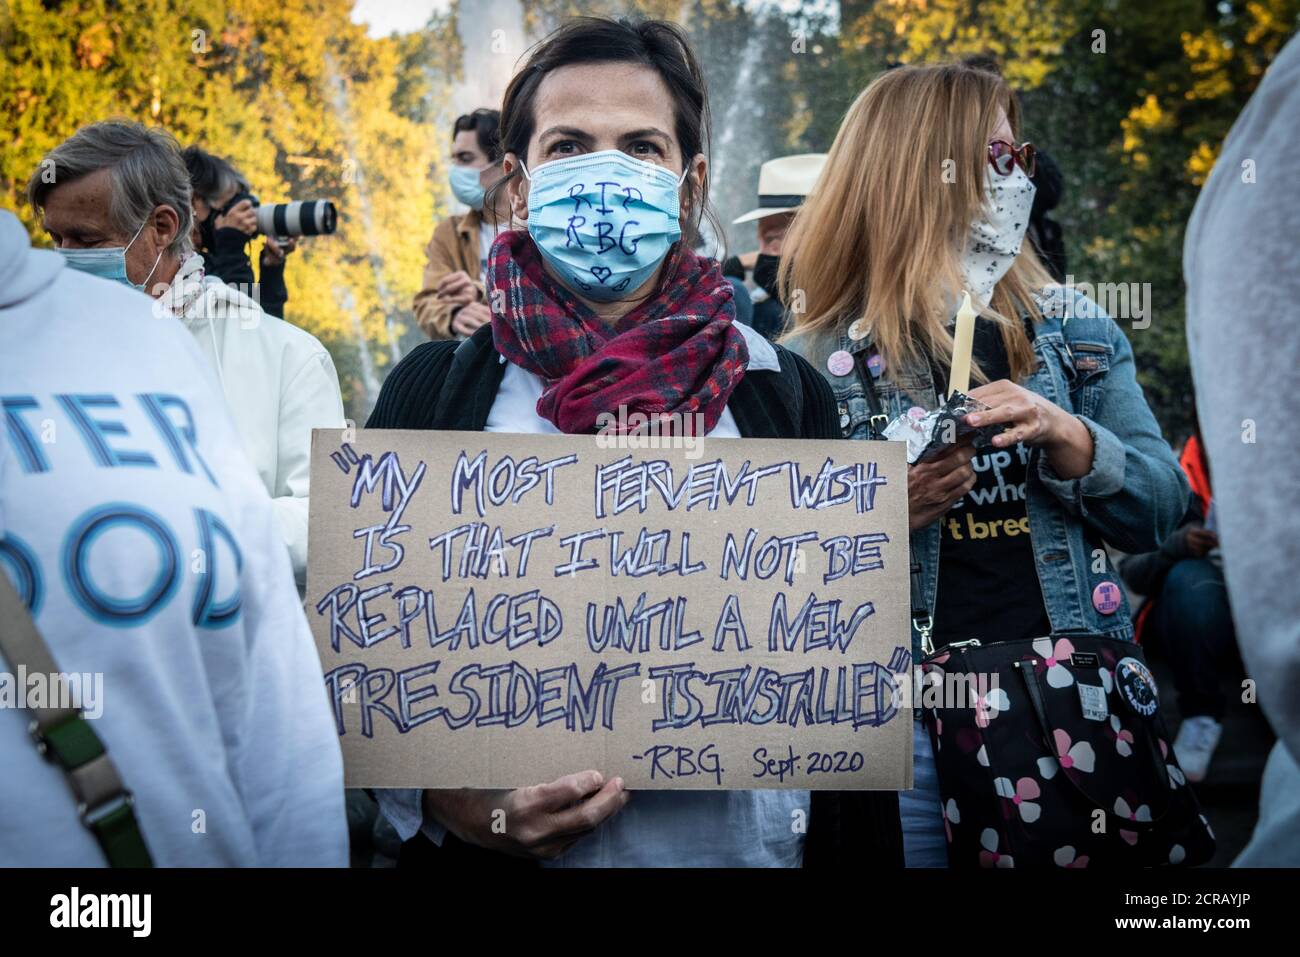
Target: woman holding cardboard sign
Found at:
914, 215
599, 306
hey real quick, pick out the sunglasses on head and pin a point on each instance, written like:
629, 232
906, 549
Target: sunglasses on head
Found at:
1003, 157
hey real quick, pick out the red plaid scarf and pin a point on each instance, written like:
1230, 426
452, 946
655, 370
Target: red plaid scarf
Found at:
677, 352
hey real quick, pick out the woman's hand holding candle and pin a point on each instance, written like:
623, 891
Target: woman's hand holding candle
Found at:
1029, 418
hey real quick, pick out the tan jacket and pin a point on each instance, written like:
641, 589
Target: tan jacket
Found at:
453, 246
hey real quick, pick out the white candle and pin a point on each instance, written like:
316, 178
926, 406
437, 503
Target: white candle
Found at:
962, 339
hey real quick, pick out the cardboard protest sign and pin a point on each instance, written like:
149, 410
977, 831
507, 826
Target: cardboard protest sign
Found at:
498, 610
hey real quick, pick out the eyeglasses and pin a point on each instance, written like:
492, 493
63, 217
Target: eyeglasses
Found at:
1003, 157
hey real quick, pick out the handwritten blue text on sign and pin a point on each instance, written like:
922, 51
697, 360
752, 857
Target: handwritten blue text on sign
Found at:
499, 610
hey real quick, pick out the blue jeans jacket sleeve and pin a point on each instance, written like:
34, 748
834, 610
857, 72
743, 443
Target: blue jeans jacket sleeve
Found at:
1136, 493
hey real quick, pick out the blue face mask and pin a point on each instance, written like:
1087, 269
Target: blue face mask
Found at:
108, 262
465, 186
603, 221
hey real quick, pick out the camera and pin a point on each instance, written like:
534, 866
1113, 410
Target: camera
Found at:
311, 217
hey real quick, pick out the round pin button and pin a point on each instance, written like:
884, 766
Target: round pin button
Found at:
1136, 686
916, 412
840, 363
1106, 598
857, 330
876, 364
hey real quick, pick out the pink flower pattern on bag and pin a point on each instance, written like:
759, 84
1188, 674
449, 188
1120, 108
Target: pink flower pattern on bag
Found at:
1029, 769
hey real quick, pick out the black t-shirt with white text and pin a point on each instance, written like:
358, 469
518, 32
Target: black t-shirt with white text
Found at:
988, 580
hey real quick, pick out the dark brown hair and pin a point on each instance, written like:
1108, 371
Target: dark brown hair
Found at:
485, 124
657, 44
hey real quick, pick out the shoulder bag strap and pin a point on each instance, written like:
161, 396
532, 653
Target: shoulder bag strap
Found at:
922, 619
65, 737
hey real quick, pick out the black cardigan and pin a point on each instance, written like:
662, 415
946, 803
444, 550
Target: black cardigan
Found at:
452, 385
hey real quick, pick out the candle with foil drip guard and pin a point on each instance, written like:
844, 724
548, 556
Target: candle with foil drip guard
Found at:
963, 338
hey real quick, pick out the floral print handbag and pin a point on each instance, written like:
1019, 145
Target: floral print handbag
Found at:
1052, 753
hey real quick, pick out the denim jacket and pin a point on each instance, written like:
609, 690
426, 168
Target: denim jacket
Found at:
1132, 498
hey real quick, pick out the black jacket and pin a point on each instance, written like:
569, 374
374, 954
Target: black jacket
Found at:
452, 385
228, 261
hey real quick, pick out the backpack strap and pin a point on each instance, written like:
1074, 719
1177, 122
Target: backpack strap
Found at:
64, 737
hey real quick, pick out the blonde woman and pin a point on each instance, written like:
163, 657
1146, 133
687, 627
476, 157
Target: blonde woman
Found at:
926, 193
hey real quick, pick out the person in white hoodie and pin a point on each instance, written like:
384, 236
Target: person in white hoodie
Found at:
138, 536
115, 197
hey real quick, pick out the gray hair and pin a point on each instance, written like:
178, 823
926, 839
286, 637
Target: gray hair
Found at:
145, 168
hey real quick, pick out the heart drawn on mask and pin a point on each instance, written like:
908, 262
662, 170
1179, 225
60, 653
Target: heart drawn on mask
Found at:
601, 272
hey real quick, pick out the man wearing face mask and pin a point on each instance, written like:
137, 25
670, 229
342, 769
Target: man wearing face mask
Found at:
119, 206
783, 184
451, 302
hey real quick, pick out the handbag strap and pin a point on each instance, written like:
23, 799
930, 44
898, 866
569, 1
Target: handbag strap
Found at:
65, 737
876, 424
1040, 709
922, 619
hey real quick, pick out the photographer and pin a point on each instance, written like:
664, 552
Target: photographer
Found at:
224, 221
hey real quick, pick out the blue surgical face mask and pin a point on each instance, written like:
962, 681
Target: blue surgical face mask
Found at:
465, 186
603, 221
108, 262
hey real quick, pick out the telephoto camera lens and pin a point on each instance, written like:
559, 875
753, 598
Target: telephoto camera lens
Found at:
313, 217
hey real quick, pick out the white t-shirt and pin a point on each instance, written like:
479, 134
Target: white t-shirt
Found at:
487, 235
132, 521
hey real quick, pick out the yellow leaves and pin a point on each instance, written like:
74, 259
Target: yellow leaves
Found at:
95, 46
1208, 57
23, 99
1028, 39
1264, 21
1147, 116
1200, 163
1206, 51
238, 35
1099, 247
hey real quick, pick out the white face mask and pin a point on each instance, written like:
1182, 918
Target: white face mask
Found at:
996, 236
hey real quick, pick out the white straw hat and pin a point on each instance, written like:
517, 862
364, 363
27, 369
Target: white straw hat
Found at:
783, 183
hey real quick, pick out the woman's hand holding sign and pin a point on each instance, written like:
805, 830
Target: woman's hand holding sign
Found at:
1037, 422
541, 822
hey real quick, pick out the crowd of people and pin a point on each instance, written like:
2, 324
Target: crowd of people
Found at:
147, 394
